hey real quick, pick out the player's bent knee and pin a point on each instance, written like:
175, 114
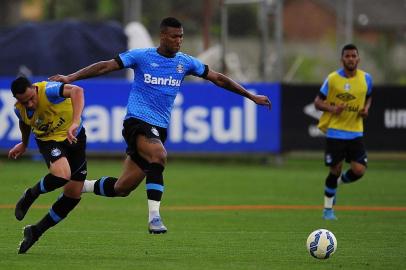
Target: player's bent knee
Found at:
63, 175
358, 170
358, 175
159, 160
73, 189
160, 157
351, 176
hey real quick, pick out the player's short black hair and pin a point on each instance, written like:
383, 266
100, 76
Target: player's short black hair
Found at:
349, 47
19, 85
170, 22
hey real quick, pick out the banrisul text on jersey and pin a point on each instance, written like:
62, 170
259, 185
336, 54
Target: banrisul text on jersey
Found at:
148, 78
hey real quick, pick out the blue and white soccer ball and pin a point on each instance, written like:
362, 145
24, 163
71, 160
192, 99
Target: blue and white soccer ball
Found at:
321, 244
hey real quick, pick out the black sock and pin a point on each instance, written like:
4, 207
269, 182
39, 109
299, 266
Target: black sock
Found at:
59, 210
331, 185
105, 186
48, 183
155, 181
349, 176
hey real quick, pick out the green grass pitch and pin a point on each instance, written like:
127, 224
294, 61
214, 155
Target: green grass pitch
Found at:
214, 217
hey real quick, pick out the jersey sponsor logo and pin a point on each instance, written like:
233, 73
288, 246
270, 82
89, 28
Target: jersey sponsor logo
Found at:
38, 122
55, 152
180, 69
155, 131
48, 129
345, 97
329, 159
41, 126
149, 79
352, 108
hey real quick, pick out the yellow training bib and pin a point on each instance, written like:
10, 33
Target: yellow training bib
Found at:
351, 92
50, 121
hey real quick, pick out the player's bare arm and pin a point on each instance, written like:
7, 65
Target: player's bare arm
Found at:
75, 93
225, 82
19, 149
322, 105
92, 70
364, 111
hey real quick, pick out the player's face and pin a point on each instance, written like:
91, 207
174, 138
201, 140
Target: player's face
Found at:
29, 99
171, 39
350, 59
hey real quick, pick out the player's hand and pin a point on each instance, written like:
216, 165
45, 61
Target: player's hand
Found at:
338, 109
59, 78
17, 151
72, 131
363, 113
262, 100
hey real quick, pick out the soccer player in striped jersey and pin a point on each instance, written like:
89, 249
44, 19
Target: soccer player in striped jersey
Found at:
345, 99
158, 75
52, 111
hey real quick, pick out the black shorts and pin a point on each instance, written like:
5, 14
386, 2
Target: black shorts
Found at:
75, 154
351, 150
134, 127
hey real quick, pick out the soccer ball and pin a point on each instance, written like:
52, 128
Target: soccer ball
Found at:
321, 244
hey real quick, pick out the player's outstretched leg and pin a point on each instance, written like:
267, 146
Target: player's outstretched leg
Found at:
48, 183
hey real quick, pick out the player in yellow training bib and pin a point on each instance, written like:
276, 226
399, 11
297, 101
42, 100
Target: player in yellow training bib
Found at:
52, 111
345, 99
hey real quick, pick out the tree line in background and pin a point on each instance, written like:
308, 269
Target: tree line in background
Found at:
379, 57
191, 13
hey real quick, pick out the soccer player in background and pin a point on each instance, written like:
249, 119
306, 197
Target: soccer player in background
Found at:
158, 74
345, 99
52, 111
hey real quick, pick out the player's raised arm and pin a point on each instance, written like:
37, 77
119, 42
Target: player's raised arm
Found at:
92, 70
225, 82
